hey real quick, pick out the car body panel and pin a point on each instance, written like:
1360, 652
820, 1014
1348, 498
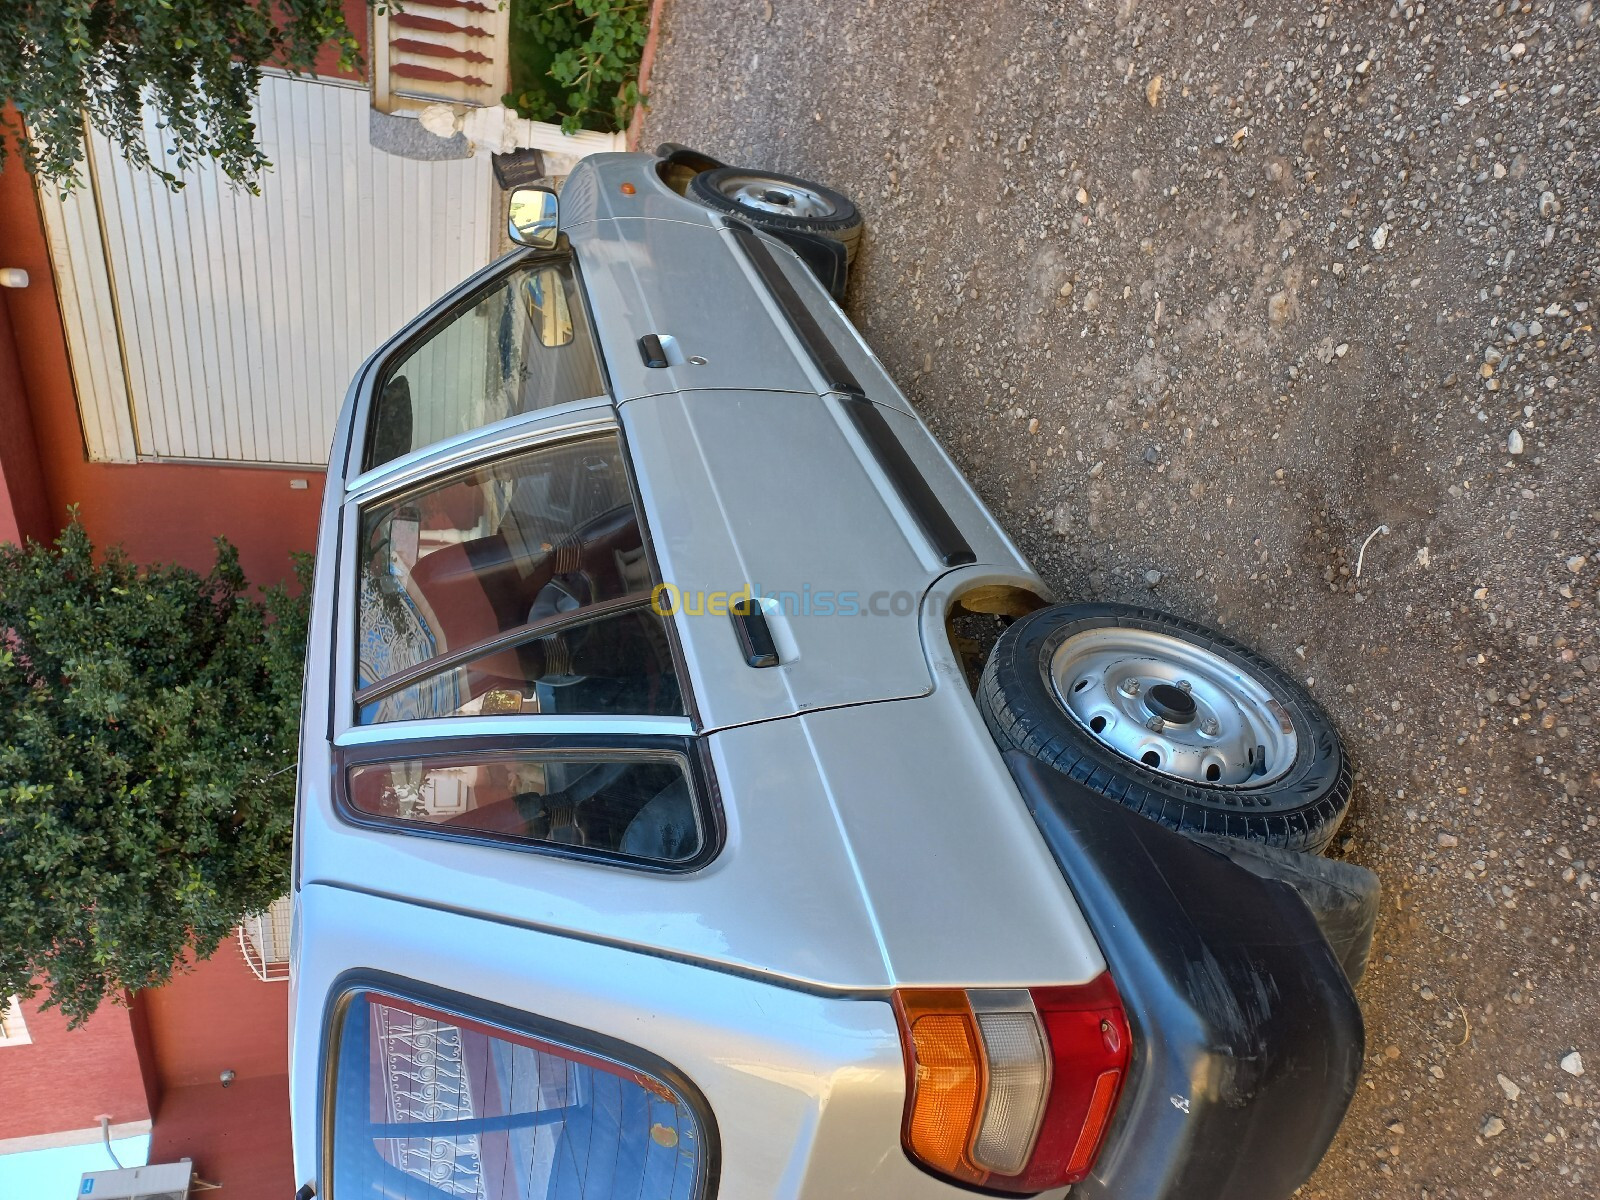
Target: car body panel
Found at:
594, 192
750, 491
844, 868
786, 496
753, 909
646, 292
827, 1073
925, 833
687, 285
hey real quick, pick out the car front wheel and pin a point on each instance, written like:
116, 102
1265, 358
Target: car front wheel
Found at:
1177, 722
781, 202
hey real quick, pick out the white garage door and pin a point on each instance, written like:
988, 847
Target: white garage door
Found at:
211, 324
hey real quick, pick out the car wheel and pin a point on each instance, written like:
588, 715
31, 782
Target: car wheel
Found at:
1182, 724
777, 202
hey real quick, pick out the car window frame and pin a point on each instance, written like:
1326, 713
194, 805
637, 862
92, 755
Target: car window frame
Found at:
376, 371
516, 1022
530, 435
505, 438
691, 750
462, 461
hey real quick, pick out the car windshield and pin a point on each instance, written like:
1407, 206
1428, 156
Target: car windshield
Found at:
522, 344
522, 585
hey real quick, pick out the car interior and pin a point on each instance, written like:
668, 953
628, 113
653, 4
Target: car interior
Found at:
545, 543
640, 805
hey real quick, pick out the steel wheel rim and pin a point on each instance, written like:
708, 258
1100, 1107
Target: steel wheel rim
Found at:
761, 193
1176, 708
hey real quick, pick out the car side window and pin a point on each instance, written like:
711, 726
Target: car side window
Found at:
518, 586
636, 804
522, 344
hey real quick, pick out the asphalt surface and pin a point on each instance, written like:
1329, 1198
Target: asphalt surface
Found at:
1202, 297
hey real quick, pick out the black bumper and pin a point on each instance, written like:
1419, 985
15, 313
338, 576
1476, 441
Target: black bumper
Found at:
1247, 1038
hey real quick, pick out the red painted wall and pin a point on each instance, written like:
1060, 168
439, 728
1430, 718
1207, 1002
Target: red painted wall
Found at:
66, 1080
358, 16
217, 1016
236, 1136
24, 512
160, 512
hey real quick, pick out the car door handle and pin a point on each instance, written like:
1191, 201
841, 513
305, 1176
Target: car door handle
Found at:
652, 351
754, 634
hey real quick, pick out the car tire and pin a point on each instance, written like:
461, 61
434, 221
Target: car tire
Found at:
776, 202
1171, 719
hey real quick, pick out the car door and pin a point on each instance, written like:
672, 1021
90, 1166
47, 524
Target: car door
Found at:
833, 506
776, 499
688, 288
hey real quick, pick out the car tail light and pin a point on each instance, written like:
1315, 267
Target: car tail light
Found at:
1011, 1090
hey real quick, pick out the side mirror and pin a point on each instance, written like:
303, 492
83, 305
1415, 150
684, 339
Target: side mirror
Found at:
535, 218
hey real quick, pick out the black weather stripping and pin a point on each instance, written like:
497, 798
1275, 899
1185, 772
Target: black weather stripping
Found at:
931, 518
819, 347
754, 634
909, 482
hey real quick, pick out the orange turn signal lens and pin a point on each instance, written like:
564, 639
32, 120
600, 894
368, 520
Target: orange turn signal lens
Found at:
945, 1069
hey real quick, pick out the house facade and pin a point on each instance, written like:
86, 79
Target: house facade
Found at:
155, 1064
171, 366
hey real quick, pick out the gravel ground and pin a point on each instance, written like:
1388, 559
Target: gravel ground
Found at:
1202, 297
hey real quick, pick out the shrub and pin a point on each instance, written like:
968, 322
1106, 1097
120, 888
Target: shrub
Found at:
148, 728
578, 61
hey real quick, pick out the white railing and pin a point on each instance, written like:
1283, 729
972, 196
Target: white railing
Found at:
264, 942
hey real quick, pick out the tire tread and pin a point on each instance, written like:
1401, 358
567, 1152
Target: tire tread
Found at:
1010, 705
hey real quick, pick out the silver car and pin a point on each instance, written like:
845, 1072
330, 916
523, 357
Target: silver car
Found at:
699, 793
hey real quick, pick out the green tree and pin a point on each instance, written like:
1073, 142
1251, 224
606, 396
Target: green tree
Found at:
197, 62
148, 726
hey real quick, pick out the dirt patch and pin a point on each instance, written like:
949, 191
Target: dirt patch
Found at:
1333, 273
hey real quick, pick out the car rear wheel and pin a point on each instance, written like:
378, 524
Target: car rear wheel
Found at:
1173, 720
781, 202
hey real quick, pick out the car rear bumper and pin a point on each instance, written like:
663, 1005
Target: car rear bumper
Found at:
1247, 1038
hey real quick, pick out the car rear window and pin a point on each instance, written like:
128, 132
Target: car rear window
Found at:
518, 586
637, 804
521, 344
431, 1105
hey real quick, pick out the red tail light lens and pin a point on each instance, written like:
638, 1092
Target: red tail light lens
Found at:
1011, 1090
